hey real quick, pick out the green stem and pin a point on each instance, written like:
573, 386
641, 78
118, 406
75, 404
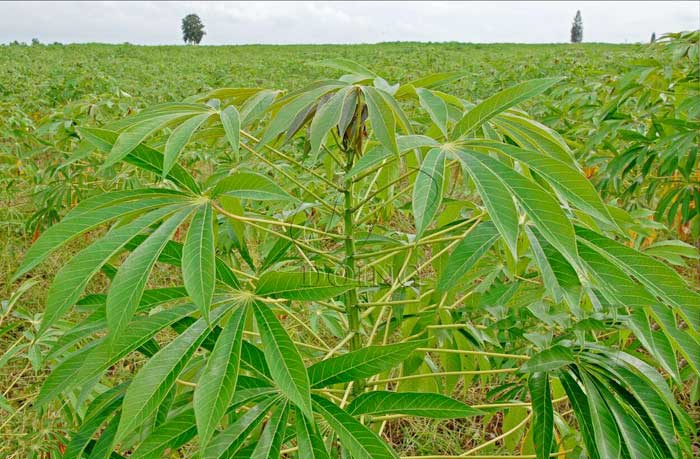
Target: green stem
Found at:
351, 304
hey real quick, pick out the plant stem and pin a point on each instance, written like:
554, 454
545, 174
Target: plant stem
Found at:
351, 308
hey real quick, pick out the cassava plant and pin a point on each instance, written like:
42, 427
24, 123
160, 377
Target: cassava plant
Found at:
355, 253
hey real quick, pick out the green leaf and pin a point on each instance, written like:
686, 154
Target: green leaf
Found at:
89, 361
179, 138
497, 198
303, 286
127, 286
637, 443
542, 208
173, 433
604, 426
250, 185
360, 442
272, 436
103, 447
216, 386
142, 156
436, 108
657, 343
283, 358
566, 179
231, 120
230, 440
531, 135
153, 381
550, 359
382, 118
579, 403
543, 413
346, 65
467, 253
132, 136
73, 277
500, 102
361, 363
427, 189
257, 105
427, 405
309, 441
199, 259
91, 213
289, 112
326, 118
657, 277
107, 403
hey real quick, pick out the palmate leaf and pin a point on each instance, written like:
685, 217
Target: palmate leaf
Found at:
361, 363
230, 440
550, 359
636, 441
91, 213
566, 179
282, 357
531, 135
543, 209
293, 107
360, 442
153, 381
132, 136
467, 253
199, 258
543, 413
657, 277
173, 433
103, 447
604, 427
179, 139
436, 108
346, 65
310, 443
250, 185
108, 402
89, 361
231, 120
142, 156
172, 255
381, 116
127, 286
73, 277
217, 383
270, 441
580, 405
499, 102
647, 400
326, 118
497, 198
427, 405
427, 189
303, 286
685, 343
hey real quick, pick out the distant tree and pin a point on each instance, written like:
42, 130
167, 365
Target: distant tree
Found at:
577, 29
653, 37
192, 29
35, 42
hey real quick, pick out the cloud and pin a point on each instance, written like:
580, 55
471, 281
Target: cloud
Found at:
152, 22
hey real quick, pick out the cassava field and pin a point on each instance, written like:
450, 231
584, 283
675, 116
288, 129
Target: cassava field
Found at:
373, 251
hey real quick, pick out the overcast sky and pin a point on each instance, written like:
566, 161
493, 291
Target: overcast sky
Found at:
154, 22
